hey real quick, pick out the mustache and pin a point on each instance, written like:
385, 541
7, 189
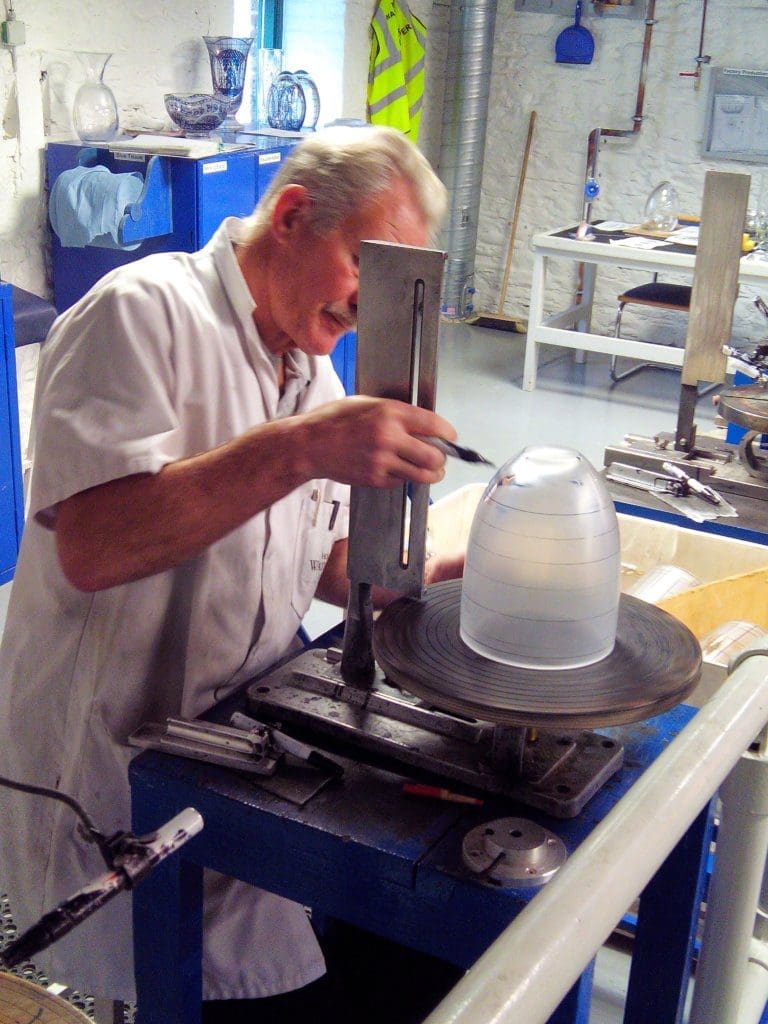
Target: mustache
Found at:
346, 317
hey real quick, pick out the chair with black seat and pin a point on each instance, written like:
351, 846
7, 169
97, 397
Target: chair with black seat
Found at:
656, 295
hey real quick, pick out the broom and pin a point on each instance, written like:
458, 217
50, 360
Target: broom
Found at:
499, 320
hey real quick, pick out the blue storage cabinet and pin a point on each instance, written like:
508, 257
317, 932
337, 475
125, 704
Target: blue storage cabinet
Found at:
11, 493
185, 201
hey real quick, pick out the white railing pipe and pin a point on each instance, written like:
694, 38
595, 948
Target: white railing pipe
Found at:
755, 995
734, 892
527, 971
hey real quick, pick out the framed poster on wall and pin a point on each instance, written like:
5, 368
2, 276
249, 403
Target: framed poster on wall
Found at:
737, 116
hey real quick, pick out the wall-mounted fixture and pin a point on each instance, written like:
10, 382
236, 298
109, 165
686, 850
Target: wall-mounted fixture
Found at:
735, 128
631, 9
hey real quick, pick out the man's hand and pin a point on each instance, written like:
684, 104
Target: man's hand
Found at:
444, 566
372, 442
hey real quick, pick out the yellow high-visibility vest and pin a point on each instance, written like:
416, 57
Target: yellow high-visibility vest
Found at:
396, 69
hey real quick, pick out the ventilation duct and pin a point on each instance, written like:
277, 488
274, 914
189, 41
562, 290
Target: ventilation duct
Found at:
465, 111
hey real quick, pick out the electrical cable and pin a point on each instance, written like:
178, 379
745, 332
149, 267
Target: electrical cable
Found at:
134, 859
92, 833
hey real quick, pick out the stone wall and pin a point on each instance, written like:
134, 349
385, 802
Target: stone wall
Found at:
159, 49
571, 100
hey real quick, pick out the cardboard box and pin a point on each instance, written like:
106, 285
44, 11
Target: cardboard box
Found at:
733, 573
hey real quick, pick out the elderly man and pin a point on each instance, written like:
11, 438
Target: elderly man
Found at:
190, 440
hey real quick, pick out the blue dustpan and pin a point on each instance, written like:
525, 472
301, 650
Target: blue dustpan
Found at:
575, 44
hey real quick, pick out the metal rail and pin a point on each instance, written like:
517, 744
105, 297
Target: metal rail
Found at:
526, 972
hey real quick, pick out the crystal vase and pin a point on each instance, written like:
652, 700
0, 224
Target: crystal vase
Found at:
229, 56
286, 105
312, 97
269, 66
94, 112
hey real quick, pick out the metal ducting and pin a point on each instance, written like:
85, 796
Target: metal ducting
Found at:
465, 111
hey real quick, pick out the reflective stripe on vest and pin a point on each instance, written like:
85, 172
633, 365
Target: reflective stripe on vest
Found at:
396, 69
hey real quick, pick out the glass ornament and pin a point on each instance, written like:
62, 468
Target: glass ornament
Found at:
196, 113
312, 98
94, 112
542, 575
229, 57
269, 66
286, 105
662, 208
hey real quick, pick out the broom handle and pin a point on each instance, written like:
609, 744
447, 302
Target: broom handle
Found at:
516, 213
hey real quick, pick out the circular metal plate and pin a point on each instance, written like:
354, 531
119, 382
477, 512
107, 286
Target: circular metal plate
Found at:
746, 407
513, 852
754, 463
655, 664
20, 1000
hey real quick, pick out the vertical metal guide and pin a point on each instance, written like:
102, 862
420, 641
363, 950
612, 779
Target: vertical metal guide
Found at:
397, 336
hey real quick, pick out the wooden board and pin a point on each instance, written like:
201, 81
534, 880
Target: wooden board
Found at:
741, 598
715, 277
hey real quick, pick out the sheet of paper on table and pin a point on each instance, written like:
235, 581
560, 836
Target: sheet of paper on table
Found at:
612, 225
688, 235
639, 242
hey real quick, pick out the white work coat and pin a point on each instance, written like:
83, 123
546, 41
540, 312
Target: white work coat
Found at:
159, 361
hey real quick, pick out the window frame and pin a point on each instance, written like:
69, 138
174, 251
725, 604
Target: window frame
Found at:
270, 21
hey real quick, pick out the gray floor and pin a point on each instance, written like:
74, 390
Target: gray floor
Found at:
479, 391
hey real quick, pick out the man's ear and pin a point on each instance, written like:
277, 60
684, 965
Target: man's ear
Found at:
290, 209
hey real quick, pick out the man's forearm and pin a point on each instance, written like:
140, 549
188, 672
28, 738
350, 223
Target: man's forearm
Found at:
141, 525
137, 526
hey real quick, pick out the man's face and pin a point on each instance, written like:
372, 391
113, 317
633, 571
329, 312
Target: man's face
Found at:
313, 298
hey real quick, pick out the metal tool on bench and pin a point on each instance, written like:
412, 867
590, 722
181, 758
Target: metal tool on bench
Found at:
675, 487
712, 463
254, 752
245, 744
408, 689
248, 746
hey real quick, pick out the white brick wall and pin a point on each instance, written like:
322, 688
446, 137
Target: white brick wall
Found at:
572, 100
157, 48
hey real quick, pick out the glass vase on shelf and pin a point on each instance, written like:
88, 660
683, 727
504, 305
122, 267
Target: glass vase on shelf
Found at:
229, 56
94, 112
312, 98
286, 105
269, 64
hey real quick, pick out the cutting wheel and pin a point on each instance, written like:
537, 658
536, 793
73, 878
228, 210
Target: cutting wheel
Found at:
746, 407
20, 1000
655, 664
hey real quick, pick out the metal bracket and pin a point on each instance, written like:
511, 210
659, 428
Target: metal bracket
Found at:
557, 771
513, 852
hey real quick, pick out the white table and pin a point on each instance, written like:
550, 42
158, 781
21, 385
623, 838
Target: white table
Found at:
570, 327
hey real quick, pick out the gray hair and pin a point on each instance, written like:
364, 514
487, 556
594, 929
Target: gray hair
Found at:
342, 168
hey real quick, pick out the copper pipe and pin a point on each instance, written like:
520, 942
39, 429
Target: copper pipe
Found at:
702, 58
593, 142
